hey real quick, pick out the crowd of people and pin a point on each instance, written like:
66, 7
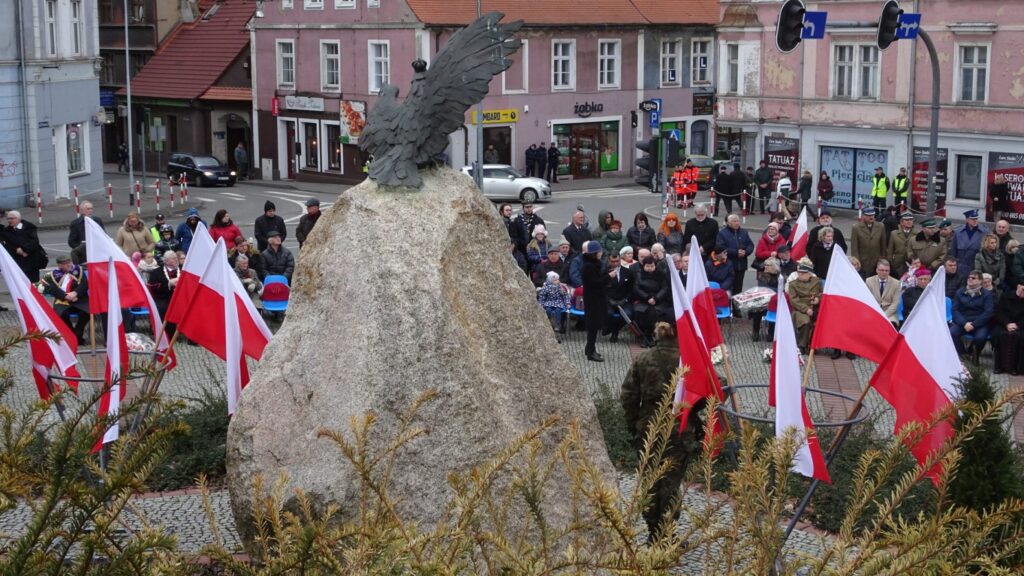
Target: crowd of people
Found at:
615, 274
158, 251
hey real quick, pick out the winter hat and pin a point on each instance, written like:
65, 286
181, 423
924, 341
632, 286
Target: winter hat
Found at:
192, 213
552, 248
552, 276
625, 250
136, 258
540, 229
804, 268
564, 242
922, 271
312, 202
593, 247
268, 206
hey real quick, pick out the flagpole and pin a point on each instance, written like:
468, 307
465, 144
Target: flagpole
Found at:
732, 386
92, 338
807, 369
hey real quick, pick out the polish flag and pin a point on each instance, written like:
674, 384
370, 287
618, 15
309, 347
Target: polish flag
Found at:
702, 380
698, 291
116, 371
849, 317
131, 289
798, 239
918, 375
255, 334
36, 315
790, 407
213, 321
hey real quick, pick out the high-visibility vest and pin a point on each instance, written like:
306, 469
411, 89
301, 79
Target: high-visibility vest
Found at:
879, 186
677, 180
900, 187
690, 176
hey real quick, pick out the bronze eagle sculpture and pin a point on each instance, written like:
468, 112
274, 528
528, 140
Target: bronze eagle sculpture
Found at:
405, 136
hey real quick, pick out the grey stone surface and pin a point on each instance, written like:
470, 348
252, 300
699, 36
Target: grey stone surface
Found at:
440, 305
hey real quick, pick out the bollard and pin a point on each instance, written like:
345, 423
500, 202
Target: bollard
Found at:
78, 209
184, 188
138, 196
744, 199
39, 205
157, 185
860, 208
110, 198
170, 189
132, 197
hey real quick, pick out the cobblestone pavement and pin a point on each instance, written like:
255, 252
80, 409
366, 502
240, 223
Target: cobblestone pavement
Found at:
199, 372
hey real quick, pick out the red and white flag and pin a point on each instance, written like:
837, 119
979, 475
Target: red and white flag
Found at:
798, 238
131, 289
849, 317
116, 371
790, 407
36, 315
698, 290
255, 334
702, 380
213, 321
918, 376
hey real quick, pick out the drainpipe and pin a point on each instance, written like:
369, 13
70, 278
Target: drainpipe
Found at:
254, 120
27, 129
910, 105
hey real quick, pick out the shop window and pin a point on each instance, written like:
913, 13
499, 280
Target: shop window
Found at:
609, 158
851, 170
334, 147
77, 142
311, 148
501, 138
968, 177
587, 150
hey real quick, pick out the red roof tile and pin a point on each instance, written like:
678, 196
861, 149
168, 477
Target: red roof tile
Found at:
571, 12
234, 93
196, 54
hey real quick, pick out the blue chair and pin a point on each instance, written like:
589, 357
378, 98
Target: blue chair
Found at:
276, 294
714, 285
899, 309
134, 313
276, 279
770, 316
949, 310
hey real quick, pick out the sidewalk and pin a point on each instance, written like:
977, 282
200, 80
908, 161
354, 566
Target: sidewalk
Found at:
57, 215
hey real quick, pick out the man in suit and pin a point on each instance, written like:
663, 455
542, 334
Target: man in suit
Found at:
577, 232
76, 230
162, 282
886, 290
618, 287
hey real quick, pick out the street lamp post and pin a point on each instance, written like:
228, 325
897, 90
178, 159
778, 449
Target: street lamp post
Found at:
128, 94
478, 173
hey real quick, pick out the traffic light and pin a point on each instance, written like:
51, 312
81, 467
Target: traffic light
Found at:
649, 162
673, 153
790, 26
888, 24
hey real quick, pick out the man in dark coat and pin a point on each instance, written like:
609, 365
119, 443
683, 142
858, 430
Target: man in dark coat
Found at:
738, 244
542, 161
69, 287
307, 221
525, 222
277, 259
553, 155
721, 183
972, 312
824, 219
531, 160
763, 183
647, 383
553, 263
76, 230
595, 300
1006, 336
21, 239
619, 286
269, 221
740, 184
162, 283
577, 232
704, 228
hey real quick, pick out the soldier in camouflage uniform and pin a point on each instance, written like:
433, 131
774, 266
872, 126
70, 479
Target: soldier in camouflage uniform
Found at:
645, 386
927, 246
804, 296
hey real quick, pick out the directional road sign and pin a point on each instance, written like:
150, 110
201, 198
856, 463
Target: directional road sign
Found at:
814, 25
909, 23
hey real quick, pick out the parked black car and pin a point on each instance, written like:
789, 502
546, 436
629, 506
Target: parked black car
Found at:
200, 169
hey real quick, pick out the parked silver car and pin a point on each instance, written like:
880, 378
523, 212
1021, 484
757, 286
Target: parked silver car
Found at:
503, 182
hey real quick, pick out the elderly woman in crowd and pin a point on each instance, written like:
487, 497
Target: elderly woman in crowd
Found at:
991, 260
133, 236
768, 245
640, 235
248, 277
651, 295
767, 277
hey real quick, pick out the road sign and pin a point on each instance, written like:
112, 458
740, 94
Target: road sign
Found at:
814, 25
909, 23
649, 106
676, 135
658, 102
655, 119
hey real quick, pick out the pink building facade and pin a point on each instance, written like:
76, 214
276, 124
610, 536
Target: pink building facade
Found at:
319, 64
841, 106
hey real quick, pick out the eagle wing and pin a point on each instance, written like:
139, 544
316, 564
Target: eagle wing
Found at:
457, 79
382, 122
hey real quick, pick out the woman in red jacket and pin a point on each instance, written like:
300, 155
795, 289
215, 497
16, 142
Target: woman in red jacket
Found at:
768, 245
223, 227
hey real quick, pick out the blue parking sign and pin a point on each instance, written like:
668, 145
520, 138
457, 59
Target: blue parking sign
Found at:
655, 120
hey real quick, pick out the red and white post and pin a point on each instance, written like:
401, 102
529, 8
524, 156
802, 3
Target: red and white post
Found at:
39, 205
170, 189
78, 208
184, 188
138, 196
157, 185
135, 194
744, 200
110, 198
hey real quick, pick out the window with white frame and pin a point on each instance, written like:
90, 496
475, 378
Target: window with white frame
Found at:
855, 71
285, 4
346, 4
380, 65
77, 146
563, 64
373, 3
313, 4
732, 60
670, 62
700, 61
608, 63
972, 75
286, 63
516, 79
51, 27
330, 66
77, 32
